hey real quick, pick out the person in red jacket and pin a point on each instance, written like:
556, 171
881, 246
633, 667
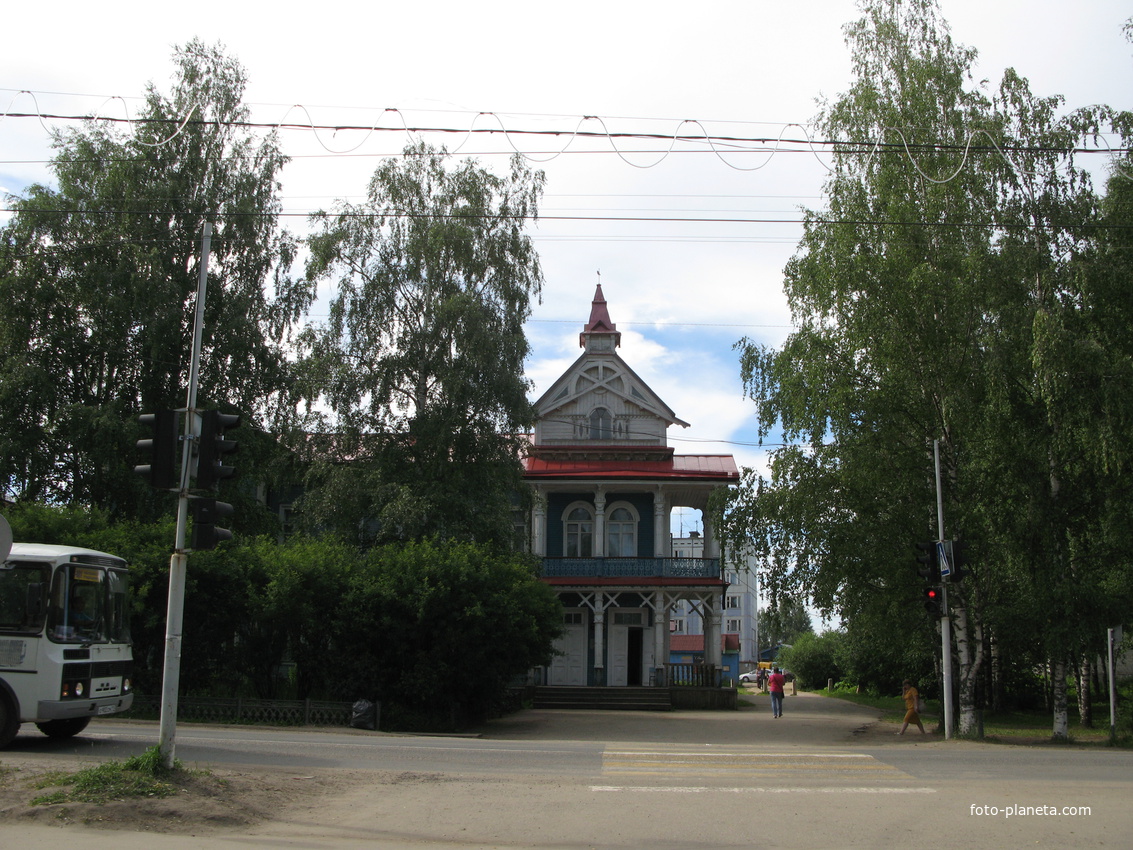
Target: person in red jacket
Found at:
775, 688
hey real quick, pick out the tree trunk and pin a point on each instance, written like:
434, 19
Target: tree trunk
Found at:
997, 700
1061, 730
970, 664
1085, 708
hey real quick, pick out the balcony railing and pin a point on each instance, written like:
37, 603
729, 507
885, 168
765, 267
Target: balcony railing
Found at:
632, 567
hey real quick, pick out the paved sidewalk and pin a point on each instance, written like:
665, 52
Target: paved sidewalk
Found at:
807, 719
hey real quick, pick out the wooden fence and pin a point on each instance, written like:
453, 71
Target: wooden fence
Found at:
693, 675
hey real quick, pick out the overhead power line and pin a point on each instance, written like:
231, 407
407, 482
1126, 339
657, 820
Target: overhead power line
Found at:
903, 141
752, 144
951, 225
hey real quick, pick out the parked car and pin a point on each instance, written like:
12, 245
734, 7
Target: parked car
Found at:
751, 677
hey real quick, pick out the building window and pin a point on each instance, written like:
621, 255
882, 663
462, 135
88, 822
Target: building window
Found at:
601, 424
519, 542
572, 618
578, 524
621, 531
677, 626
731, 602
628, 619
732, 625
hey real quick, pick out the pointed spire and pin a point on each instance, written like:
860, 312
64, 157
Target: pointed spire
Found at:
600, 324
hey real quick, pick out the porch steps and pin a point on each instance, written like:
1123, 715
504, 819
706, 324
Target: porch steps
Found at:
612, 699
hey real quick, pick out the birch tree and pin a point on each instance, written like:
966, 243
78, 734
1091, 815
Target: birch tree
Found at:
939, 296
98, 275
421, 362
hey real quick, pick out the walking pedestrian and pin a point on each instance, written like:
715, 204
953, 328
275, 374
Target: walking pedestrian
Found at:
910, 695
775, 687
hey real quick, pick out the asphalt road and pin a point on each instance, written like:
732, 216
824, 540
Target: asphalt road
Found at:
818, 777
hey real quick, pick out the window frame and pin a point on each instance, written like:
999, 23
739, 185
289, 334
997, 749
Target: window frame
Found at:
610, 524
580, 535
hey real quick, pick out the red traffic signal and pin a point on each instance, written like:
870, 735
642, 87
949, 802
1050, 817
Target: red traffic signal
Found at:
932, 600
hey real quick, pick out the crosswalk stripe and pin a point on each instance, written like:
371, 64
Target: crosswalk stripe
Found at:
684, 762
703, 789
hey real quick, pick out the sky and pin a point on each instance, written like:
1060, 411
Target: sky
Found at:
682, 292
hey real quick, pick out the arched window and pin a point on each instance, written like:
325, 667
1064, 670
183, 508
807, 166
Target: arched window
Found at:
601, 424
578, 531
621, 531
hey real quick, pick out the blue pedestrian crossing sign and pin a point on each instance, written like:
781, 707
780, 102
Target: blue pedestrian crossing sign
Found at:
944, 556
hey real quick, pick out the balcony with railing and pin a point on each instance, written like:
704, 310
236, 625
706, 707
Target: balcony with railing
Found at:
631, 567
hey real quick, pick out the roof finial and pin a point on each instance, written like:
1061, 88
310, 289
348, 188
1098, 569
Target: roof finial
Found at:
600, 324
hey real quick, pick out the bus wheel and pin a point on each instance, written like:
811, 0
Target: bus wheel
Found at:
63, 728
9, 720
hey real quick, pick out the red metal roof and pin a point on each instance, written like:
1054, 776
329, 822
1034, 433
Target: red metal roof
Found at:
695, 643
702, 467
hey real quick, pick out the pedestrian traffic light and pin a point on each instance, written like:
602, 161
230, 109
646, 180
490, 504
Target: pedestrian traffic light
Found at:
928, 567
160, 450
932, 598
206, 512
959, 561
212, 447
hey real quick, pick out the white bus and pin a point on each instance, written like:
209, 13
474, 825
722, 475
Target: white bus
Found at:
65, 653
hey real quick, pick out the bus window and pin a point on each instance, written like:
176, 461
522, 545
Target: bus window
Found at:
118, 619
22, 596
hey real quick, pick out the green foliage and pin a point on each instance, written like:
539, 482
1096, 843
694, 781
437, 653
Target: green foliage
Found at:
421, 362
784, 622
956, 288
98, 278
431, 624
815, 659
421, 626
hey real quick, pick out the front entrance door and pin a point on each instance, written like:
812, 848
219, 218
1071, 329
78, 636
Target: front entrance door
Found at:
627, 648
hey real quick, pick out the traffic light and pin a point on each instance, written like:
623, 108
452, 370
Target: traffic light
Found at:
212, 447
928, 567
205, 533
959, 561
932, 598
160, 450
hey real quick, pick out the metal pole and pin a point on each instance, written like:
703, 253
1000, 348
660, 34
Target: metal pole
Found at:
754, 573
178, 563
1112, 688
945, 613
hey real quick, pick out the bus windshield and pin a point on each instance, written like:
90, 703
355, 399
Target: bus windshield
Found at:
88, 605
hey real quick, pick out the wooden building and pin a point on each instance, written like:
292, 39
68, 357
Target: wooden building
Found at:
605, 481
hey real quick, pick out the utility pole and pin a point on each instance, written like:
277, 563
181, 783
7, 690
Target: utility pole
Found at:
945, 618
1112, 639
178, 563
